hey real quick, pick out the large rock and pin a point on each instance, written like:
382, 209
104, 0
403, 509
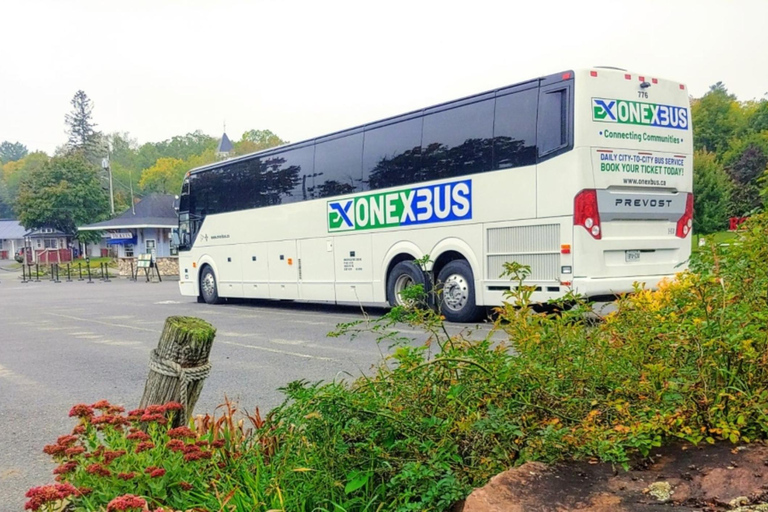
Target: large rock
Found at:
708, 478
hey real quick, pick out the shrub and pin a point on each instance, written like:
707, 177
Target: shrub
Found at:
688, 361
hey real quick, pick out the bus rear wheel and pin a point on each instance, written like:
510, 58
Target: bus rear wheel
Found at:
402, 276
208, 288
456, 292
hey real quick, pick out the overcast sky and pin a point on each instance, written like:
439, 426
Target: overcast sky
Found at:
161, 68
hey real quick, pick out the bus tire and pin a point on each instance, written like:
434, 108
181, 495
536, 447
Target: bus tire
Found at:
209, 290
403, 275
456, 292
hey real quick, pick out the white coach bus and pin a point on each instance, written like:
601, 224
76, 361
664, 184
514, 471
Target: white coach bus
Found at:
584, 176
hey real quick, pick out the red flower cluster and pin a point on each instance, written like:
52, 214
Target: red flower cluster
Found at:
110, 455
185, 486
181, 432
126, 502
48, 495
81, 411
65, 468
75, 450
66, 440
219, 443
126, 476
175, 445
98, 469
101, 405
54, 449
138, 436
78, 430
192, 455
173, 406
142, 447
156, 472
157, 417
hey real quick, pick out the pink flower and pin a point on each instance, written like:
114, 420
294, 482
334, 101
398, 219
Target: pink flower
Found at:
81, 411
181, 432
126, 502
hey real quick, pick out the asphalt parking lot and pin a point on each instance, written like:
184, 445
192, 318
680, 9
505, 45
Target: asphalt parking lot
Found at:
62, 344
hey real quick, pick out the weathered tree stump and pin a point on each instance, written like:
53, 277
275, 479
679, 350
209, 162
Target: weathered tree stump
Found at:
179, 365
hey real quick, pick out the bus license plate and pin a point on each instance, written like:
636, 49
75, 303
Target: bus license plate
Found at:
631, 256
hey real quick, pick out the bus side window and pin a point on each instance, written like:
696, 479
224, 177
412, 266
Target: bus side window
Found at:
392, 154
458, 141
338, 167
514, 129
553, 132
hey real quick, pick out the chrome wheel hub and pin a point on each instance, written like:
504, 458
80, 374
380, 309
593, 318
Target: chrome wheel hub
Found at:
402, 282
455, 292
208, 285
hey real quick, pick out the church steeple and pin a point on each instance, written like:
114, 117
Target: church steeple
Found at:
225, 148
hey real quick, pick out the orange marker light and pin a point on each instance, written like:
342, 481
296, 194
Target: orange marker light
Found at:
565, 283
194, 264
290, 261
565, 249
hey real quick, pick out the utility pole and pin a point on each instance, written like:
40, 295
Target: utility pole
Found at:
105, 165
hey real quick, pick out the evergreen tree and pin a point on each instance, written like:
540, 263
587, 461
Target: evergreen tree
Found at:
83, 137
12, 151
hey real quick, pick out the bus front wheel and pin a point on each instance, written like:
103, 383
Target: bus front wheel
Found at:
208, 288
456, 292
403, 275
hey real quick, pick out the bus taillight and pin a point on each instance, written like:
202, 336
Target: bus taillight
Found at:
586, 214
685, 224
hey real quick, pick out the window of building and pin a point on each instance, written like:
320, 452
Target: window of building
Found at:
128, 250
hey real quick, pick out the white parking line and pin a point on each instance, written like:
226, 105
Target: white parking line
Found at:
111, 324
276, 351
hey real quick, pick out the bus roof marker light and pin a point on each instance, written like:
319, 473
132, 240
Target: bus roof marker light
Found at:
566, 76
655, 80
682, 87
628, 76
593, 73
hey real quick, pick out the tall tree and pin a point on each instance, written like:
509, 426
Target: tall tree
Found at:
717, 117
12, 151
711, 194
81, 129
744, 172
64, 193
164, 177
257, 140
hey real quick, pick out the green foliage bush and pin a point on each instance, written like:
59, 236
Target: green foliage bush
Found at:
688, 361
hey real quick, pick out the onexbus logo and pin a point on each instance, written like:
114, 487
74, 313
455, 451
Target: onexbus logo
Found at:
421, 205
638, 113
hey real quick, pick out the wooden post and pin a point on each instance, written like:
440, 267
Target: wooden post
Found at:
179, 365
